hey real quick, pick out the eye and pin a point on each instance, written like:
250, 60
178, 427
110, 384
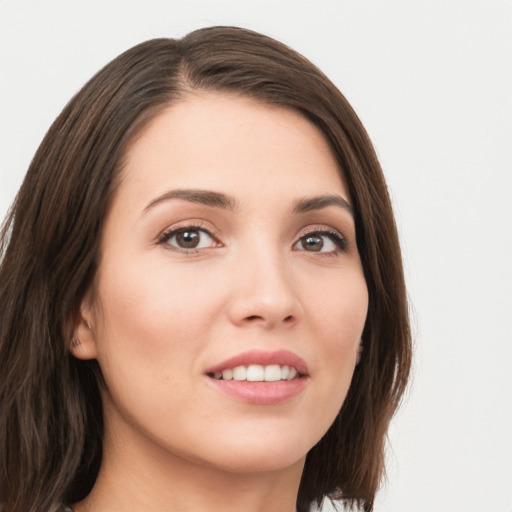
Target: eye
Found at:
188, 239
325, 241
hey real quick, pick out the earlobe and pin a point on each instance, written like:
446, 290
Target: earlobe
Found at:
359, 352
83, 341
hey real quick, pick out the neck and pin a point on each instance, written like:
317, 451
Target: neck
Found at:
135, 475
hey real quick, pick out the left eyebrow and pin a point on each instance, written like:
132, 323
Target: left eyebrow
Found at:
308, 204
205, 197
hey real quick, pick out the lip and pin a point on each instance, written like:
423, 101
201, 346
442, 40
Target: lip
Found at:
263, 358
261, 393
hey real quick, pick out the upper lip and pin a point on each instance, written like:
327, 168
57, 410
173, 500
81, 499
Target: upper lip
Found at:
263, 358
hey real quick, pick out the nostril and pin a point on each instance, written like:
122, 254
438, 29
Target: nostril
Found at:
254, 317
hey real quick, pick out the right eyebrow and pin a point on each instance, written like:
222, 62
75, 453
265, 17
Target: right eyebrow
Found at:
308, 204
206, 197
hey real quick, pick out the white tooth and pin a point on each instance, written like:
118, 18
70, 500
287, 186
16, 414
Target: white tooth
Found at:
272, 373
227, 374
217, 375
255, 373
285, 370
292, 373
240, 373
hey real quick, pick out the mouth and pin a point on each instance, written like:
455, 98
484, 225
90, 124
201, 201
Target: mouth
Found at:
257, 373
260, 377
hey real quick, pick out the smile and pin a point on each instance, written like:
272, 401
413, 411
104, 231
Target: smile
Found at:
257, 373
261, 377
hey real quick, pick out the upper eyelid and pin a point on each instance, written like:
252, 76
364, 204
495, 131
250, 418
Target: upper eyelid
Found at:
321, 228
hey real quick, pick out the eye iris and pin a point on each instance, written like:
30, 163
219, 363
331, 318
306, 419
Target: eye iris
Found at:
188, 239
312, 243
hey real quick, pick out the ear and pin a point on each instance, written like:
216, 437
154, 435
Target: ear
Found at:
83, 344
359, 352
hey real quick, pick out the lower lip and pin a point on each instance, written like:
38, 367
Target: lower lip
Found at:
261, 393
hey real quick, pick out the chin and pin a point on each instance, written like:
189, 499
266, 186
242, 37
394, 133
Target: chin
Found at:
266, 451
259, 462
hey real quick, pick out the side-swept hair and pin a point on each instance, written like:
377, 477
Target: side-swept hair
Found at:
51, 422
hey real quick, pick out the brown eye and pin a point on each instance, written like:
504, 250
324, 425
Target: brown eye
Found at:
325, 242
313, 243
188, 239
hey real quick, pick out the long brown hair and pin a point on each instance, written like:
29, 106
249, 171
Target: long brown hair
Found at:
50, 408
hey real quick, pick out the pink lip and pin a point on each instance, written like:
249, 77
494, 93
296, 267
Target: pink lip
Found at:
262, 393
264, 358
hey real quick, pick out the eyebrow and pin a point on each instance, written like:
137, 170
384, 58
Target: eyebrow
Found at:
205, 197
308, 204
220, 200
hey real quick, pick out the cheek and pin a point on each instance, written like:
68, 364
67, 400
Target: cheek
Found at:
339, 309
338, 319
153, 317
153, 323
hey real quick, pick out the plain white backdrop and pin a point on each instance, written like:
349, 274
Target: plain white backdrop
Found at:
432, 82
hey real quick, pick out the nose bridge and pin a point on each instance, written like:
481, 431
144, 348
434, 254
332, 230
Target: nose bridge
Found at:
266, 291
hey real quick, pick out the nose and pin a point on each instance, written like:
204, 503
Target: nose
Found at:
265, 293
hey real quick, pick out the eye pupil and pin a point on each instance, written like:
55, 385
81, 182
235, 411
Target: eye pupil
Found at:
312, 243
188, 239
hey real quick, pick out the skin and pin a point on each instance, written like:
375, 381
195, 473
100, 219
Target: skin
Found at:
162, 314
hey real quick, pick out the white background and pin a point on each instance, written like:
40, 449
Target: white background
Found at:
432, 82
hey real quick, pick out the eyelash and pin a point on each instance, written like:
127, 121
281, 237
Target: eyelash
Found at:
174, 231
321, 231
324, 231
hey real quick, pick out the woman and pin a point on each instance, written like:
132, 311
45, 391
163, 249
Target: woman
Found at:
202, 299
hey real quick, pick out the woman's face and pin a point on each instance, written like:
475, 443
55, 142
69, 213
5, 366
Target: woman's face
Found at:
230, 244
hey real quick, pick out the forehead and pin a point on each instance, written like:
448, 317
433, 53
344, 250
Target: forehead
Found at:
219, 140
